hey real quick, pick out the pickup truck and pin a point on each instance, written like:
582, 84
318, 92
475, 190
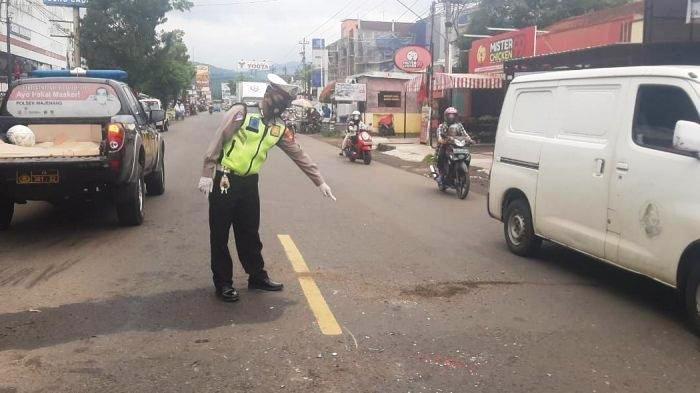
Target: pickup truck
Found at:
94, 139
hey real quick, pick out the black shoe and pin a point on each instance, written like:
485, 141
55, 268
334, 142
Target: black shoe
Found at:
227, 294
264, 284
340, 154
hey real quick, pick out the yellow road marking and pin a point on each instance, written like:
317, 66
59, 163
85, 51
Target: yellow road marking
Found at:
324, 316
293, 254
326, 320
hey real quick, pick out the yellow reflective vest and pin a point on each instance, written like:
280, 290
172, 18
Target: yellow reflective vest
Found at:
245, 154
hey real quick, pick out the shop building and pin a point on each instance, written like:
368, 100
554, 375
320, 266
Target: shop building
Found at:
369, 46
34, 39
386, 95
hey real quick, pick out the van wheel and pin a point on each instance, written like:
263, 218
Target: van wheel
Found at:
692, 298
130, 212
7, 210
518, 229
155, 182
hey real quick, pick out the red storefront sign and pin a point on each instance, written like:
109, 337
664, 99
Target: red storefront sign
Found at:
412, 59
489, 54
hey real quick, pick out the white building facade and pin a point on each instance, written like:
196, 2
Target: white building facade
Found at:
34, 38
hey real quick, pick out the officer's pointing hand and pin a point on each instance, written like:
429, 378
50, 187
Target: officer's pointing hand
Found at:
206, 185
326, 191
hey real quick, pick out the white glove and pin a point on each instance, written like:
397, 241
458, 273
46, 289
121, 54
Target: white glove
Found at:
326, 191
206, 185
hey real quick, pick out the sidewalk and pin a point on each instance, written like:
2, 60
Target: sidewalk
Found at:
411, 150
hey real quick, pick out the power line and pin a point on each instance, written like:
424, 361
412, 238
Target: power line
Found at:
408, 8
321, 25
406, 11
233, 3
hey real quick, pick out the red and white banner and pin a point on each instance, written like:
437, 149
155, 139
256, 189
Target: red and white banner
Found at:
458, 81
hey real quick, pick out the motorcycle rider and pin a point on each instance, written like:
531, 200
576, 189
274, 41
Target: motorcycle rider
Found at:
448, 129
355, 122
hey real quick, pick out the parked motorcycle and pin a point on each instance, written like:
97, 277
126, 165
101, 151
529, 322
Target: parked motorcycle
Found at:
360, 146
458, 160
386, 125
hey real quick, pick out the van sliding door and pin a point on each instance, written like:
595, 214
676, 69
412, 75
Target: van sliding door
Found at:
575, 166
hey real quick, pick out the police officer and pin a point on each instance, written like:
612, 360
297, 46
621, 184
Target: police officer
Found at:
230, 178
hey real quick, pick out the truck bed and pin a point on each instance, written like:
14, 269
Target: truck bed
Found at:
54, 139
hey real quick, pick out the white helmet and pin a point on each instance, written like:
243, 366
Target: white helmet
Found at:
356, 113
21, 136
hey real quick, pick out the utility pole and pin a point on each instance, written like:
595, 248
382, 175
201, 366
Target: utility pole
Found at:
76, 37
448, 29
431, 72
8, 24
307, 84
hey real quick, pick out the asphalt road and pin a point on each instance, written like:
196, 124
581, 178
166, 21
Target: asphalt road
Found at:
421, 283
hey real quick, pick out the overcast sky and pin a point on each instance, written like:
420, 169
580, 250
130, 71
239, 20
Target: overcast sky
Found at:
221, 32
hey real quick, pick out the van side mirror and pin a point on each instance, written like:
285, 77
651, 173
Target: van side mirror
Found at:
686, 137
157, 115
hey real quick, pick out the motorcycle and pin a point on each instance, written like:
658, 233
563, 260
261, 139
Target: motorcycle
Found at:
458, 160
360, 146
386, 126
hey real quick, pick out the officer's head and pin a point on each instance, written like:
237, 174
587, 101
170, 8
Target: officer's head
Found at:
278, 97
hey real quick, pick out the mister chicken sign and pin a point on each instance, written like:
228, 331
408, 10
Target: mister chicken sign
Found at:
489, 54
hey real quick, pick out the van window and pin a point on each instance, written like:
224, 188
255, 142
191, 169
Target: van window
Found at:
532, 112
658, 109
590, 111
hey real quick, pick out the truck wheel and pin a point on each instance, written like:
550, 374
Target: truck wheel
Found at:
7, 210
155, 182
692, 298
518, 229
367, 157
130, 212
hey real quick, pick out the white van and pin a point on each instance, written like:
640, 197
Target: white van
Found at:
605, 162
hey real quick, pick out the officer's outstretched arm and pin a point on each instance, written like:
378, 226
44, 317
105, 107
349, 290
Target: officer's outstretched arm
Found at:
289, 145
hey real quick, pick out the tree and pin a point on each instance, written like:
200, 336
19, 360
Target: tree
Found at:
523, 13
122, 34
171, 71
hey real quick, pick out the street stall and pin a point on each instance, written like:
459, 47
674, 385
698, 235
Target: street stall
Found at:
474, 96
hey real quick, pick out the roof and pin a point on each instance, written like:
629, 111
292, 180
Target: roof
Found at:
68, 79
678, 71
598, 17
384, 75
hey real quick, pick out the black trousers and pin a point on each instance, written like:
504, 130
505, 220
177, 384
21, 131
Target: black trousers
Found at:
240, 209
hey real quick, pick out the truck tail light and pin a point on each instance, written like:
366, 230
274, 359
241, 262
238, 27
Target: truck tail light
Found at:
115, 142
115, 137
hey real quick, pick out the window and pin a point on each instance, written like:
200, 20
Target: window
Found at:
658, 109
533, 112
390, 99
135, 105
590, 111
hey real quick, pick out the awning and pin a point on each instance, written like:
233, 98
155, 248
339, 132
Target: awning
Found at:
477, 81
457, 81
326, 93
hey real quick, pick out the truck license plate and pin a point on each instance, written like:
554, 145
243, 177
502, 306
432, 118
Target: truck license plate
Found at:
44, 176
